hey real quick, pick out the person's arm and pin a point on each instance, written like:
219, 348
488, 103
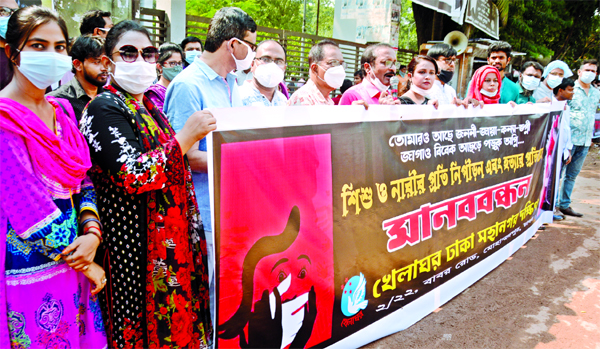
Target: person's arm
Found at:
348, 97
116, 148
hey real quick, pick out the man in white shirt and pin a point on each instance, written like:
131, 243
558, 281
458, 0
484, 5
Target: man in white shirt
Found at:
445, 57
553, 76
268, 70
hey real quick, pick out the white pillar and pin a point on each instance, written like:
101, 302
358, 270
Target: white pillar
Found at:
175, 10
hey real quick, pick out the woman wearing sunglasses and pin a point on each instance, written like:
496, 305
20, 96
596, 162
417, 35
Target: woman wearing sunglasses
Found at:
169, 65
155, 248
46, 262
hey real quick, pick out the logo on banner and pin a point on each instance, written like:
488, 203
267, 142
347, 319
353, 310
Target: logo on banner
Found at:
353, 296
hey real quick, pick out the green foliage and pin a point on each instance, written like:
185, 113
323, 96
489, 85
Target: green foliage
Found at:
407, 39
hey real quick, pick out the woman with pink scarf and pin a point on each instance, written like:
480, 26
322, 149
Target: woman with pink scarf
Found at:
49, 227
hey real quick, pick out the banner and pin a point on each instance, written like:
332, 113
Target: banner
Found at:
483, 15
336, 226
453, 8
367, 21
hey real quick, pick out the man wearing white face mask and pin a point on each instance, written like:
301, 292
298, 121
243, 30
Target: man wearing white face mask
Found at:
208, 83
379, 62
528, 82
553, 76
268, 69
327, 73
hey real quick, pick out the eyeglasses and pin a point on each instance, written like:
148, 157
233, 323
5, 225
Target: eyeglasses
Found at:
173, 64
129, 53
334, 63
449, 61
389, 64
7, 11
266, 59
248, 43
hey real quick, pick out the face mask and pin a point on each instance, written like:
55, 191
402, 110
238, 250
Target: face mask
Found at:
554, 81
489, 94
171, 73
530, 82
134, 77
402, 74
268, 75
334, 77
191, 55
445, 76
377, 83
3, 26
243, 64
587, 77
44, 68
419, 90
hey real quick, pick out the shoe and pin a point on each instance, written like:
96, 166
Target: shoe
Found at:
569, 212
558, 217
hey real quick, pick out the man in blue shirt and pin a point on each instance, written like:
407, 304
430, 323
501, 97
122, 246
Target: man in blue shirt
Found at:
208, 83
583, 110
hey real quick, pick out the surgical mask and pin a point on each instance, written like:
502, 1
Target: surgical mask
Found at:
171, 72
419, 90
134, 77
445, 76
268, 75
553, 81
44, 68
489, 94
243, 64
587, 77
530, 82
402, 74
334, 77
3, 26
191, 55
377, 83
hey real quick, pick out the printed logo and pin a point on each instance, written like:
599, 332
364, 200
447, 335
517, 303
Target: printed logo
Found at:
353, 296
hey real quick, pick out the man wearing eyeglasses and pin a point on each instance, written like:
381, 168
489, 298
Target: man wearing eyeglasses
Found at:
7, 8
268, 70
327, 73
379, 62
90, 73
208, 82
445, 57
96, 22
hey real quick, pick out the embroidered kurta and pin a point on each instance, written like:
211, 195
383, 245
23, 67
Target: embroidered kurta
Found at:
155, 249
44, 303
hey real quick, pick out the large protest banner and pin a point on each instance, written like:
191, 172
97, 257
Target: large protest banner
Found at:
336, 226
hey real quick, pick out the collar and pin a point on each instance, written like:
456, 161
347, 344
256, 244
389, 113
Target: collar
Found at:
210, 73
313, 89
369, 87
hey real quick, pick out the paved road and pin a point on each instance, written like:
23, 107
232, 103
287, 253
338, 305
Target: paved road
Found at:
547, 296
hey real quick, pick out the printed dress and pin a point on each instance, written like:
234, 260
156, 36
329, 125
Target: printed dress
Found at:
155, 248
44, 303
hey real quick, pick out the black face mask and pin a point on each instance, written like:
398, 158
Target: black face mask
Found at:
445, 76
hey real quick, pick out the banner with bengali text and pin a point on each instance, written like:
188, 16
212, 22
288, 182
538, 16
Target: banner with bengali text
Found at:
336, 226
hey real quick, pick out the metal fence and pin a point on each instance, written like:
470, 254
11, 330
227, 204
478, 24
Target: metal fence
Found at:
297, 46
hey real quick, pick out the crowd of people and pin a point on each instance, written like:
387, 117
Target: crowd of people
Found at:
105, 216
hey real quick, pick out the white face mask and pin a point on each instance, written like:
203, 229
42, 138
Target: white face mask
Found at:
377, 83
554, 80
268, 75
487, 93
134, 77
587, 77
419, 90
44, 68
530, 82
243, 64
334, 77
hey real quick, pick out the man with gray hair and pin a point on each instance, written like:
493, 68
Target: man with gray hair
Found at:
268, 70
379, 63
327, 73
208, 83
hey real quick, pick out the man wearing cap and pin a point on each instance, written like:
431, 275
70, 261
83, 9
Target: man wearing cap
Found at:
553, 76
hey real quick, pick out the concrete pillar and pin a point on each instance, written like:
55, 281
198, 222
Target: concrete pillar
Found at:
175, 10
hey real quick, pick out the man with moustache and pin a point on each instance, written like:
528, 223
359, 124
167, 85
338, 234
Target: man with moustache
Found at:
90, 73
498, 56
379, 62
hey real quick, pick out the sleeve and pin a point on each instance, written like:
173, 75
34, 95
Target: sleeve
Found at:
35, 222
190, 101
348, 97
155, 99
114, 146
87, 198
565, 130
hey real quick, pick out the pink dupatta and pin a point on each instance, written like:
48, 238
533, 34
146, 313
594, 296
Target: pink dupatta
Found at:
65, 160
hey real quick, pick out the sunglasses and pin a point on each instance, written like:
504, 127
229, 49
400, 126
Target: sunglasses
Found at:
129, 53
7, 11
